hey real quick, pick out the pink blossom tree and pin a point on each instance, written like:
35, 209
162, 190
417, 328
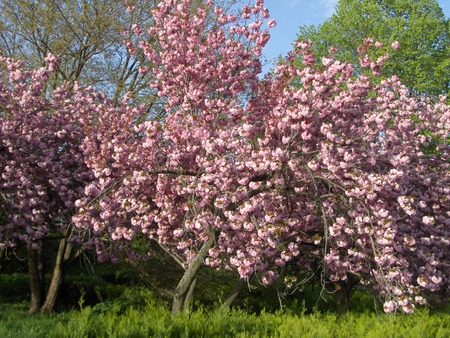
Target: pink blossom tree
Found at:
308, 165
42, 169
154, 177
353, 175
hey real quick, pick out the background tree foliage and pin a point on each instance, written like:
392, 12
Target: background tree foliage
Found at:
86, 36
423, 60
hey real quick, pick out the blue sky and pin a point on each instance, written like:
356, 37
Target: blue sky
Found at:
290, 14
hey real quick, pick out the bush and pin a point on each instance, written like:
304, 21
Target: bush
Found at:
14, 287
154, 320
138, 314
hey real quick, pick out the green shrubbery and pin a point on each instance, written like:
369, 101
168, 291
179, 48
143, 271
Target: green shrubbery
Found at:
138, 314
14, 287
142, 312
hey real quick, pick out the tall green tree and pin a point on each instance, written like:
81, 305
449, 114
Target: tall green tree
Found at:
423, 60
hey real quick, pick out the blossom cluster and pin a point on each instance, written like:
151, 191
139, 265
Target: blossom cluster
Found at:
42, 169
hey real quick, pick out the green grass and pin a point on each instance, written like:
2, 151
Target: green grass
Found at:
138, 312
139, 315
15, 321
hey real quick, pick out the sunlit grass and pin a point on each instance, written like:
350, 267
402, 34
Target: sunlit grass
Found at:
152, 319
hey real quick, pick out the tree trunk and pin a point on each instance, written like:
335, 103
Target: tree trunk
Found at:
189, 276
36, 277
343, 293
59, 270
234, 293
189, 299
2, 258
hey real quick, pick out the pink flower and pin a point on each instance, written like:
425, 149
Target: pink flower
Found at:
395, 45
428, 220
422, 281
409, 308
271, 23
389, 306
143, 70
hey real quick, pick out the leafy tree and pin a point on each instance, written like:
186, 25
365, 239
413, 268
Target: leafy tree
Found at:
423, 60
242, 173
91, 39
250, 174
206, 67
88, 37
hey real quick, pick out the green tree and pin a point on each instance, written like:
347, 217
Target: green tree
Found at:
423, 60
84, 34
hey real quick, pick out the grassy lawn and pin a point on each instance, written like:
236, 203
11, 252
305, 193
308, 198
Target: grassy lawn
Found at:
138, 312
153, 319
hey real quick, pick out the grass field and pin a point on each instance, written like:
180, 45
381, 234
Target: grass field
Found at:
150, 318
145, 312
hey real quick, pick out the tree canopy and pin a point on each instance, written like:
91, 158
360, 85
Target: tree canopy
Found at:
423, 60
88, 37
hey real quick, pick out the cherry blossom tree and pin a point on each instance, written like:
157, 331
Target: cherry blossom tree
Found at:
314, 165
42, 169
149, 174
310, 165
360, 177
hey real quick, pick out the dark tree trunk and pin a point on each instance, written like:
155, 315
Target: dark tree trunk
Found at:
59, 270
343, 293
234, 293
36, 277
189, 276
2, 259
